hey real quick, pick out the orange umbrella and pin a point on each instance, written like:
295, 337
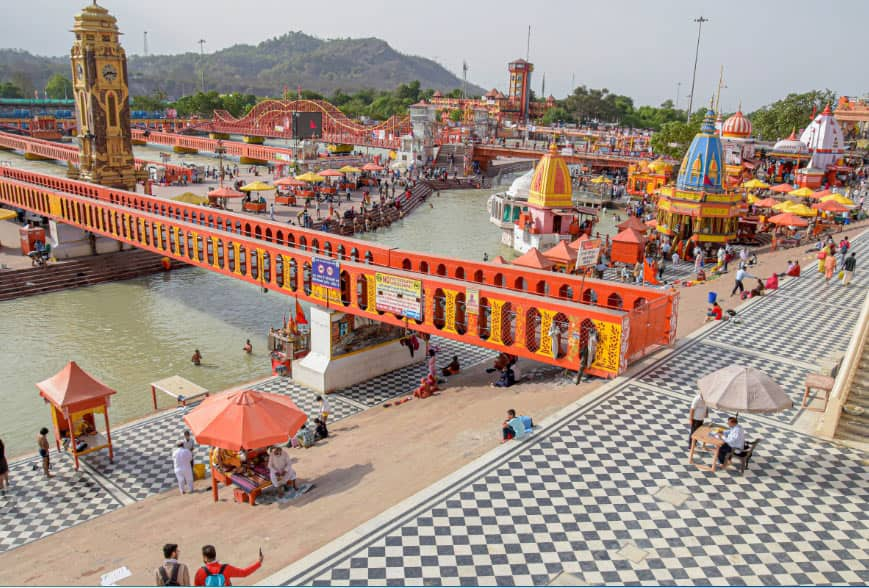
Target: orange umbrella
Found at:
766, 203
225, 193
289, 181
246, 419
372, 167
331, 173
783, 188
830, 206
788, 219
820, 194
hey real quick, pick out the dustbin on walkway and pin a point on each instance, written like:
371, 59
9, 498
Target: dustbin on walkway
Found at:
712, 297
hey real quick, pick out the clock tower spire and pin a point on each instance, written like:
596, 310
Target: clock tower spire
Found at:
99, 74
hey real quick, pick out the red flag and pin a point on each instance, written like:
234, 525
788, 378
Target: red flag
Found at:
300, 315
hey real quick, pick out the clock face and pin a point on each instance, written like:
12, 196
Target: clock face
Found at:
110, 73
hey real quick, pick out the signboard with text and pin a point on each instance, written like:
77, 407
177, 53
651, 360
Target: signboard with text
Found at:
472, 301
588, 253
401, 296
326, 272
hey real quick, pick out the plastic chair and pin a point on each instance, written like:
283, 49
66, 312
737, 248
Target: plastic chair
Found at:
744, 456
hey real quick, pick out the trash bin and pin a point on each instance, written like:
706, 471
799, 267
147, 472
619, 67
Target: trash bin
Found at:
199, 471
29, 237
712, 297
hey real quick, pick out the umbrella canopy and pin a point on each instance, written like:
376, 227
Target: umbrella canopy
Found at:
830, 206
349, 169
784, 206
225, 193
738, 388
802, 210
821, 193
289, 182
838, 198
73, 387
246, 419
6, 214
782, 188
788, 219
601, 180
633, 222
310, 178
766, 203
755, 184
190, 198
257, 186
802, 192
372, 167
332, 173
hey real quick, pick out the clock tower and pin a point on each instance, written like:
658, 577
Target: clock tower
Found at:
99, 79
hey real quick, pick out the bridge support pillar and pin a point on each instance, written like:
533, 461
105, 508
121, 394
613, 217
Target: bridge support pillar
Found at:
347, 350
68, 242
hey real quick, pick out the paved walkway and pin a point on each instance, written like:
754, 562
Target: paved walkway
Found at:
37, 507
604, 493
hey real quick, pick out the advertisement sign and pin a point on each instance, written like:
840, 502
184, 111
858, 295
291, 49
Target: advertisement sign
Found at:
472, 301
588, 253
307, 125
401, 296
326, 272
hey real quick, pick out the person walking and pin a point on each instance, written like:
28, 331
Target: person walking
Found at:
848, 268
696, 415
42, 443
741, 274
4, 470
171, 572
829, 267
323, 408
189, 445
182, 459
214, 573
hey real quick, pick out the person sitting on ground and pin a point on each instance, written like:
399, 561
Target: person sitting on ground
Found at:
304, 437
197, 357
507, 379
320, 430
734, 440
794, 270
754, 292
771, 283
512, 427
281, 472
248, 348
714, 313
452, 368
503, 360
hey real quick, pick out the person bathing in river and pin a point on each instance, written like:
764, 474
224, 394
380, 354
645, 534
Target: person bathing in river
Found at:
197, 357
248, 348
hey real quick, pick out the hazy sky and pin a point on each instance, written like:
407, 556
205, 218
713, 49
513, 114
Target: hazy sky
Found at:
642, 49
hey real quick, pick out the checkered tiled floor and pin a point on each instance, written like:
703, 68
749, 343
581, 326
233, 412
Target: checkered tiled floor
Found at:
143, 464
593, 493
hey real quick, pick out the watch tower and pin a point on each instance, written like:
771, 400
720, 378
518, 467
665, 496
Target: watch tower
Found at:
99, 78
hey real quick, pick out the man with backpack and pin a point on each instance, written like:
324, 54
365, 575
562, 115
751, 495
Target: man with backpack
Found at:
172, 573
214, 573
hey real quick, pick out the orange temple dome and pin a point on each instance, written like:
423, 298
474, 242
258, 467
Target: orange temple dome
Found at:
551, 184
737, 126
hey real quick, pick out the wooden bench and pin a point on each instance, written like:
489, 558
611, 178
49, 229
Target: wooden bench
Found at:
824, 384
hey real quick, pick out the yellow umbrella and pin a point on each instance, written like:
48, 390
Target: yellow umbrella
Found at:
310, 177
755, 184
349, 169
191, 198
838, 198
752, 199
783, 206
257, 186
802, 210
601, 180
802, 192
6, 214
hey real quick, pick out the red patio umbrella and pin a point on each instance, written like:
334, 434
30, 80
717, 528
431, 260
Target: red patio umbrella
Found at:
372, 167
331, 173
225, 193
830, 206
788, 219
766, 203
246, 419
782, 188
289, 181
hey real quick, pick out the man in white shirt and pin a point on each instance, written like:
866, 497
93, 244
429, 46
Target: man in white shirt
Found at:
696, 415
183, 460
734, 440
741, 274
281, 471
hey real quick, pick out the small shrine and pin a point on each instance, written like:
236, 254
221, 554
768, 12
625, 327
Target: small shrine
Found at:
738, 146
646, 178
76, 398
698, 208
628, 246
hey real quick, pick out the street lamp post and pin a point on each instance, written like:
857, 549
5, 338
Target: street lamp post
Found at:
699, 22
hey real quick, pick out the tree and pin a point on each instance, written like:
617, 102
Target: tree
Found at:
556, 114
23, 81
153, 103
58, 86
456, 115
10, 90
675, 137
791, 113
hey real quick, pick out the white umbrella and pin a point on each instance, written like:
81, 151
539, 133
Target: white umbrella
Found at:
738, 388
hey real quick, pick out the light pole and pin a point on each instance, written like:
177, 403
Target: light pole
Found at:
699, 22
202, 64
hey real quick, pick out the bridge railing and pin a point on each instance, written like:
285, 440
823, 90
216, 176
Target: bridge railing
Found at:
521, 323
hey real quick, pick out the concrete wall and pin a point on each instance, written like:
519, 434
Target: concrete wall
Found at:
320, 372
68, 241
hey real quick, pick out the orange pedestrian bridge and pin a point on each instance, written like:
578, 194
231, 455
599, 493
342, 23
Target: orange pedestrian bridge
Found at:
33, 148
540, 315
247, 153
484, 154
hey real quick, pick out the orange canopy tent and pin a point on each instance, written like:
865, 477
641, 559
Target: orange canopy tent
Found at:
788, 219
575, 245
782, 188
75, 397
534, 259
634, 223
627, 246
499, 259
562, 255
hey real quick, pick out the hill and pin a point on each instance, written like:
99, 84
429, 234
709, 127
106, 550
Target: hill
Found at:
294, 59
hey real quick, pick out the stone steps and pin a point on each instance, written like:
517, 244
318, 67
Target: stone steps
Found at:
855, 427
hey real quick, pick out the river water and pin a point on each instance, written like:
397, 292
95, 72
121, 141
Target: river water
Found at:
134, 332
